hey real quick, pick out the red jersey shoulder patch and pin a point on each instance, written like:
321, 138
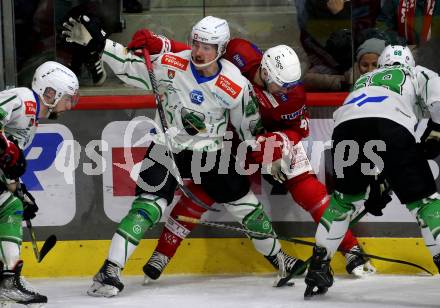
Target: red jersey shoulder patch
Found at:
30, 108
227, 85
174, 61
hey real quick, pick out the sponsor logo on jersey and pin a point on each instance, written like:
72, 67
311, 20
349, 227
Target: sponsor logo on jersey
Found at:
196, 97
294, 115
30, 108
227, 85
171, 74
221, 99
238, 60
175, 61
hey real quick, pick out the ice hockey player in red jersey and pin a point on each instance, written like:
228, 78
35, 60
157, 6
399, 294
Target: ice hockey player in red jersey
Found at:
282, 102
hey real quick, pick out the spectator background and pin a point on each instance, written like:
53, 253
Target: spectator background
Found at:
326, 35
415, 24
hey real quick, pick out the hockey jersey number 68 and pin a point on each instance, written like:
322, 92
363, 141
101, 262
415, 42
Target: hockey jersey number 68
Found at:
399, 93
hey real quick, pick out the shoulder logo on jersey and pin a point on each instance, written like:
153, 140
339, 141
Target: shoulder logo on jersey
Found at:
171, 74
175, 61
30, 108
227, 85
238, 60
196, 97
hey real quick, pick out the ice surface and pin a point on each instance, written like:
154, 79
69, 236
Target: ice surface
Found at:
246, 291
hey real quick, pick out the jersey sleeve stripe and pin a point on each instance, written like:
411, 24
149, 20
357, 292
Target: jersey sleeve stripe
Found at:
15, 109
145, 83
122, 60
8, 100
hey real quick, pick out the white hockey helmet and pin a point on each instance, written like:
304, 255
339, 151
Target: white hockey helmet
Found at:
211, 30
393, 54
282, 66
54, 82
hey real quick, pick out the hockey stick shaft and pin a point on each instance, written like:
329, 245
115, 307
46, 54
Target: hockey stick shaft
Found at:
48, 244
298, 241
164, 125
33, 239
256, 233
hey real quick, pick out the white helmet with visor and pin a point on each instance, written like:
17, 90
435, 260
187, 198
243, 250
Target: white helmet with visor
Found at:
282, 66
396, 54
53, 82
211, 30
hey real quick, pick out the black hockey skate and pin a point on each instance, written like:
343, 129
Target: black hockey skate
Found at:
155, 266
320, 276
436, 259
14, 289
107, 282
287, 267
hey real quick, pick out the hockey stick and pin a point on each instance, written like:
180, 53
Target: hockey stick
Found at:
48, 244
298, 241
33, 239
164, 125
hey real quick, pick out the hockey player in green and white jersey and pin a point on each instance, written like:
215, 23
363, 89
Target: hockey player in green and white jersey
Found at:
54, 90
375, 134
202, 92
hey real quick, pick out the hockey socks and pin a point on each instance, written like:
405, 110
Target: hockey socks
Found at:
335, 221
145, 212
312, 196
427, 213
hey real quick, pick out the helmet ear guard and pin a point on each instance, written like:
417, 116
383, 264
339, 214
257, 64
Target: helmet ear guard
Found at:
396, 54
281, 65
54, 82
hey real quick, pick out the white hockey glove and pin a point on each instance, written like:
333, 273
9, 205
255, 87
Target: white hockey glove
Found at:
85, 32
277, 172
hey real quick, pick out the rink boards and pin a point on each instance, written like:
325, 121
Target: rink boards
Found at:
82, 174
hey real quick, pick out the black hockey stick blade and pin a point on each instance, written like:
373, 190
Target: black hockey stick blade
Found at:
49, 243
286, 281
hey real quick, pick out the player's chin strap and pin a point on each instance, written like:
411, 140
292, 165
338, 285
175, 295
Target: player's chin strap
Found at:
164, 125
298, 241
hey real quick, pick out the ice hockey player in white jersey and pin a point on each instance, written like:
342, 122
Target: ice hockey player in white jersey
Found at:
54, 90
202, 92
374, 138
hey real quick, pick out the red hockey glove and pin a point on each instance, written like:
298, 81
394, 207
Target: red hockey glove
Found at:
12, 160
155, 44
